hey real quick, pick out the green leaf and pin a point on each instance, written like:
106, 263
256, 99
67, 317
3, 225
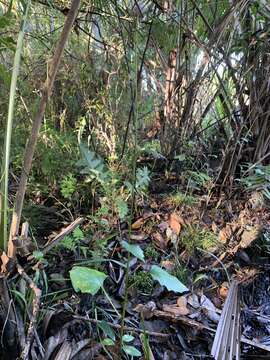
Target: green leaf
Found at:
38, 255
86, 280
133, 249
200, 277
122, 208
92, 165
78, 234
107, 329
107, 342
131, 350
4, 75
5, 21
167, 280
142, 178
180, 157
128, 338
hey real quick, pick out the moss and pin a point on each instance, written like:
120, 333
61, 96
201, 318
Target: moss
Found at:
151, 253
194, 237
179, 199
142, 281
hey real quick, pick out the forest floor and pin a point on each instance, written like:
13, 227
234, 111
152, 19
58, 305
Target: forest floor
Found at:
204, 241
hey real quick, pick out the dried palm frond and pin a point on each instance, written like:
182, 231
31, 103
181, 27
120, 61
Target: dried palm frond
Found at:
226, 344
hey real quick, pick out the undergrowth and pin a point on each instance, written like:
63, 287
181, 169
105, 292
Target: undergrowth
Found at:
142, 281
193, 236
178, 199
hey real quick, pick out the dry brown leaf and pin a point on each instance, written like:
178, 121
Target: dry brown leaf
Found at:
250, 234
225, 234
168, 265
214, 227
174, 309
137, 224
163, 226
159, 241
138, 237
4, 260
148, 214
146, 310
223, 290
182, 304
175, 223
171, 235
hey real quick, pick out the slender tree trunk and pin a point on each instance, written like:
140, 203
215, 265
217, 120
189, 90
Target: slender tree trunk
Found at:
31, 145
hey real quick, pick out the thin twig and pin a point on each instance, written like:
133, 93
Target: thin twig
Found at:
126, 328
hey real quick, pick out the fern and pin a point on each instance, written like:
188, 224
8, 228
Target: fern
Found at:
142, 180
68, 186
122, 208
93, 166
72, 241
259, 180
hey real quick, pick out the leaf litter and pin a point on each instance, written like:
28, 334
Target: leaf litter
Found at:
181, 303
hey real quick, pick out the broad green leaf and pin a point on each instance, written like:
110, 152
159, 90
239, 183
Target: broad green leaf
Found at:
107, 342
131, 350
128, 338
86, 280
107, 329
133, 249
92, 165
167, 280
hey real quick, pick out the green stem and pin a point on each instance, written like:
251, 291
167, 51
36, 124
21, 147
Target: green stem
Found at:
134, 167
6, 155
110, 301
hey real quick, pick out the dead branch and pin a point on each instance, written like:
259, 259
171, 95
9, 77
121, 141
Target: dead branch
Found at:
62, 234
193, 323
33, 316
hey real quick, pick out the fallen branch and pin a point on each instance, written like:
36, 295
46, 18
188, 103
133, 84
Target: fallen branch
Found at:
33, 316
69, 229
193, 323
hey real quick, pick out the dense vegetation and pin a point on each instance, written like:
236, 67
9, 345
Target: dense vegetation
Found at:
146, 128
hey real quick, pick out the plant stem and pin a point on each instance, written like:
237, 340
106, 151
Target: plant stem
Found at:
31, 145
110, 301
6, 155
133, 191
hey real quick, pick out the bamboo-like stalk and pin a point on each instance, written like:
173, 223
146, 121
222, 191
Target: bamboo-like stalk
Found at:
6, 153
31, 145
